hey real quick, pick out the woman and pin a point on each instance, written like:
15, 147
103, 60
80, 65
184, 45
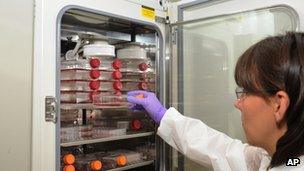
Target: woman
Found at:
270, 75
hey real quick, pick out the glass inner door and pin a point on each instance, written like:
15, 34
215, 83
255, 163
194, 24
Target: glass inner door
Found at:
207, 51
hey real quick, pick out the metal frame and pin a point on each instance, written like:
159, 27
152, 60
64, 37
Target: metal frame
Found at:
160, 63
153, 4
167, 149
179, 41
293, 12
180, 72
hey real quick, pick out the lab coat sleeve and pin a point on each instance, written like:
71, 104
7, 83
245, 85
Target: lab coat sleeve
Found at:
201, 143
256, 158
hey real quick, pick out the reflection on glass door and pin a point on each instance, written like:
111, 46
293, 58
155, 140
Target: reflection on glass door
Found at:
210, 49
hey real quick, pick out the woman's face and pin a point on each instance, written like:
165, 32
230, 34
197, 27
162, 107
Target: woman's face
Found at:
258, 118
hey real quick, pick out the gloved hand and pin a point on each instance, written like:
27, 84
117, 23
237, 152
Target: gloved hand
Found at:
149, 102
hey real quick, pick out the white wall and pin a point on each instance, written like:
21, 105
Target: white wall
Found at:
16, 44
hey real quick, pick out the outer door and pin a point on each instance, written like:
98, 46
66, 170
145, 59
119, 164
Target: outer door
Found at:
210, 38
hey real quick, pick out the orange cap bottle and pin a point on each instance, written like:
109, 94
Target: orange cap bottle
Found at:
117, 85
95, 165
121, 160
94, 74
116, 74
95, 63
143, 66
68, 168
143, 86
68, 159
117, 64
94, 85
136, 124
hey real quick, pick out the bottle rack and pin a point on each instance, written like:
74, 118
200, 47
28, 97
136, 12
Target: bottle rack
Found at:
75, 34
98, 101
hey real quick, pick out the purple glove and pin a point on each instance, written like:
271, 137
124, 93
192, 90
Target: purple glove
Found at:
150, 103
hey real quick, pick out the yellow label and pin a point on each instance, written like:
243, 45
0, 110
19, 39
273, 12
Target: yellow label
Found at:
148, 12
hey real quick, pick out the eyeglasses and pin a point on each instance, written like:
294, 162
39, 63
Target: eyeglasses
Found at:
240, 93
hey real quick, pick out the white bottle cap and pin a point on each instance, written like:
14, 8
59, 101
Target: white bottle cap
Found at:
99, 48
132, 52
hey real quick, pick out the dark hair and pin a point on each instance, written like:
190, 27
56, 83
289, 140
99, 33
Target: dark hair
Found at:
274, 64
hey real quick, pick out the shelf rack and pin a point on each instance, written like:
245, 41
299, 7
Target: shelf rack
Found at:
105, 139
131, 166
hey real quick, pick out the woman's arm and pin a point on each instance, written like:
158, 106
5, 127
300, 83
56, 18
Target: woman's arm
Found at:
195, 139
201, 143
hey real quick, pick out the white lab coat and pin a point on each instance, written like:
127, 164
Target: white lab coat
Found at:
212, 148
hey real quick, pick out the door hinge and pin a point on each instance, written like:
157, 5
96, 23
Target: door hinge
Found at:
162, 20
174, 35
50, 109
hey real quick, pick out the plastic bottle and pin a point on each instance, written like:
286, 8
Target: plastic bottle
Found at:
74, 133
148, 151
69, 116
108, 131
125, 157
88, 163
136, 125
132, 156
101, 63
85, 131
93, 74
123, 124
114, 160
111, 100
133, 57
75, 97
131, 65
68, 168
75, 64
136, 77
68, 159
84, 97
86, 85
93, 67
100, 48
68, 134
142, 125
93, 62
130, 85
113, 124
